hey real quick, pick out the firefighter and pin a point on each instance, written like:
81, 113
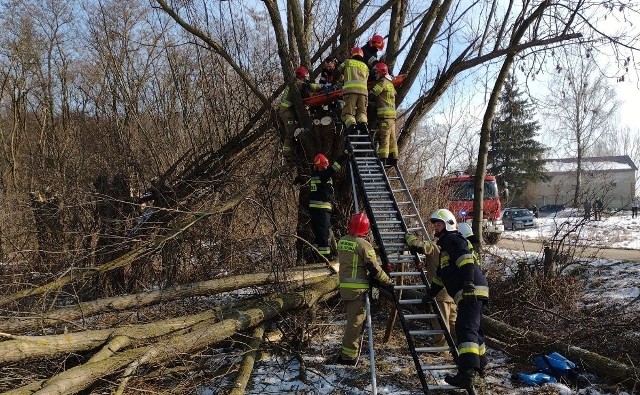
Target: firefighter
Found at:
445, 302
287, 112
355, 73
371, 48
460, 274
321, 198
358, 264
467, 232
385, 98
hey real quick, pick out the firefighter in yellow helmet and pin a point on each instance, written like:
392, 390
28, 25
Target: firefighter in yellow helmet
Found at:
355, 74
385, 97
321, 198
358, 263
287, 112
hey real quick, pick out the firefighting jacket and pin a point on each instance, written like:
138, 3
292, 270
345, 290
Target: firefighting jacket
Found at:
458, 265
385, 96
432, 253
321, 185
370, 55
355, 74
304, 87
358, 260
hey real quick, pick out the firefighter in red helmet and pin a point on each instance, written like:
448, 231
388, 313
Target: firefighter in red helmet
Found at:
384, 94
321, 198
355, 73
358, 263
370, 50
286, 110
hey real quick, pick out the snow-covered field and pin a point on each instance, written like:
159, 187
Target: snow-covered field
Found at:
613, 231
278, 374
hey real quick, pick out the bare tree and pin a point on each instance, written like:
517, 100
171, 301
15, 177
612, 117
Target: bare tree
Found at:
583, 104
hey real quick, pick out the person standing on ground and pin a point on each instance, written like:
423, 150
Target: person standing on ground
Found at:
460, 274
358, 263
321, 200
634, 206
385, 98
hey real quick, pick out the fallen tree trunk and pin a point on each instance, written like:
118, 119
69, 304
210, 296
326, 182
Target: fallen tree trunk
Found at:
31, 347
201, 335
127, 302
248, 361
524, 342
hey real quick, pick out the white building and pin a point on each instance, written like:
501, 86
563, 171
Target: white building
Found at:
609, 178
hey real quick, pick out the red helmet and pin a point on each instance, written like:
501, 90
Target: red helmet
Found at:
357, 51
359, 224
321, 161
301, 72
382, 69
377, 41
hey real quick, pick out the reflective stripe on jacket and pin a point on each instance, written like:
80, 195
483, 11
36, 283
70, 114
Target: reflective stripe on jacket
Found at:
355, 74
385, 94
358, 258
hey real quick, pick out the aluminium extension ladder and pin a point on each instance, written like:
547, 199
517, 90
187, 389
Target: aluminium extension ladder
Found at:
392, 213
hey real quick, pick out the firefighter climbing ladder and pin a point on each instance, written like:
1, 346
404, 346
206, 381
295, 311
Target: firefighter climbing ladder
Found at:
392, 213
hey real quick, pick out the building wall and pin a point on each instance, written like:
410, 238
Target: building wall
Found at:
615, 188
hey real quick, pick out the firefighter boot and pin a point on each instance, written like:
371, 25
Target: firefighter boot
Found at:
352, 129
363, 128
463, 379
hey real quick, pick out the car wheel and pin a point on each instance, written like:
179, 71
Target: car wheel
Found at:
513, 226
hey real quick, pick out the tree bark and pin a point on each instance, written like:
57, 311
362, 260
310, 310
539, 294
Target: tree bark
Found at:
127, 302
201, 335
248, 361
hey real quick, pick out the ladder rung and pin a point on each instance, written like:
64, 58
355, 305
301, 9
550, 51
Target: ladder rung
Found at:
426, 332
410, 301
398, 190
438, 367
433, 349
400, 274
420, 316
419, 286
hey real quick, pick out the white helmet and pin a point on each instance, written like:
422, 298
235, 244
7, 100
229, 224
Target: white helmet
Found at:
465, 229
445, 216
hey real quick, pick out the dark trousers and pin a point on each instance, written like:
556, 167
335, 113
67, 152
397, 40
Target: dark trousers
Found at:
471, 348
634, 212
321, 224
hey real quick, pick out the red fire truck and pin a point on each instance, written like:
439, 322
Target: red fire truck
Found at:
459, 188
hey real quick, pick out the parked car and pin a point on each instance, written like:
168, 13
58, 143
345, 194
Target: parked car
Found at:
518, 218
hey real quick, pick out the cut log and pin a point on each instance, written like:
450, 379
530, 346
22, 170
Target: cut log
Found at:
201, 335
127, 302
248, 361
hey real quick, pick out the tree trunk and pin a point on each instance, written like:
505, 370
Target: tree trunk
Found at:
201, 336
526, 342
248, 361
128, 302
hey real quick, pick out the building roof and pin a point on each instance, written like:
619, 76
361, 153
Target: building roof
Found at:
592, 164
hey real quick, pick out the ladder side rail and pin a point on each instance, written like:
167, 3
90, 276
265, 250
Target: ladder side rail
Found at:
379, 241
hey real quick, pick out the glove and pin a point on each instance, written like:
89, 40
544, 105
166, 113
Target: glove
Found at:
388, 287
327, 87
348, 150
469, 291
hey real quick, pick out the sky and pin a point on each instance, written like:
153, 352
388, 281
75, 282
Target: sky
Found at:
280, 373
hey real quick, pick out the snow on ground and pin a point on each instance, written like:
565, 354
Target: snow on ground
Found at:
611, 282
613, 231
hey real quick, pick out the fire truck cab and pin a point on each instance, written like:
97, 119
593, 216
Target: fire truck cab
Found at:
461, 194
